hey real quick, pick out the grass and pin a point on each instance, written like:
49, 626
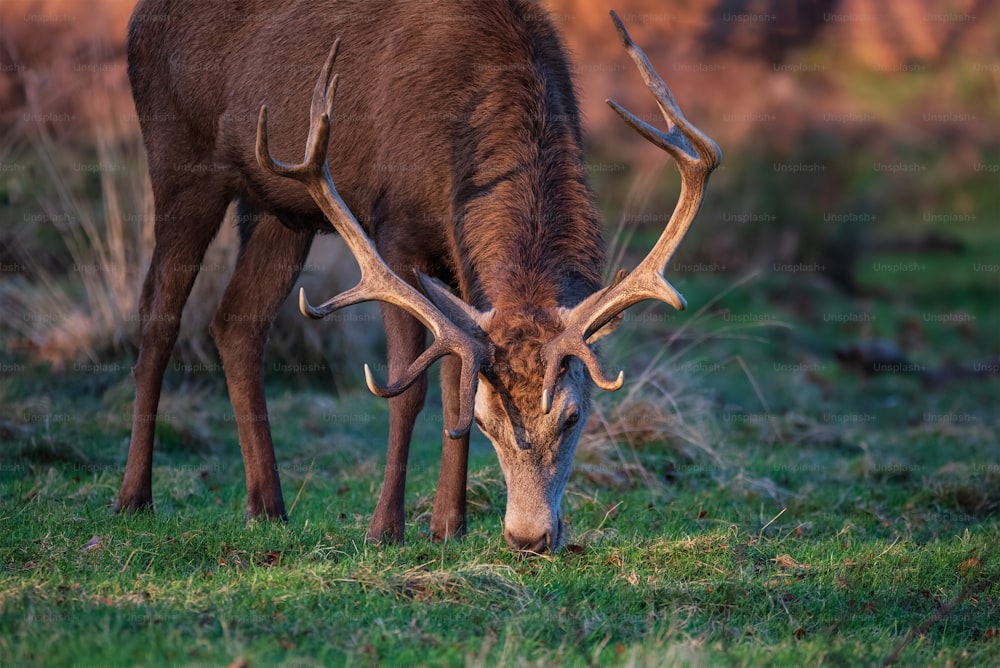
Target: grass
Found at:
727, 508
78, 246
745, 500
793, 572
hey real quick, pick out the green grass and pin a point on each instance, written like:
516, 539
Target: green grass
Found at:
745, 500
717, 575
790, 512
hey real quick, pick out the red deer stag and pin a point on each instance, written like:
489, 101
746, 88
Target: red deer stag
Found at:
457, 143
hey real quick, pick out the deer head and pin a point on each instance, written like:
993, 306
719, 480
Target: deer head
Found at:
526, 372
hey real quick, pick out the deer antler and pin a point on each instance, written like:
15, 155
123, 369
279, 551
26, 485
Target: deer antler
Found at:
378, 282
696, 156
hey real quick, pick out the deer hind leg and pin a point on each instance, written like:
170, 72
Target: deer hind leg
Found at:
187, 219
448, 514
269, 263
405, 337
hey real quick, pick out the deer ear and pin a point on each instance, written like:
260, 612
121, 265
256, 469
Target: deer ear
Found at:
464, 316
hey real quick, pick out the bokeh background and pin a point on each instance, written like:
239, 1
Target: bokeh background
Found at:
848, 126
800, 468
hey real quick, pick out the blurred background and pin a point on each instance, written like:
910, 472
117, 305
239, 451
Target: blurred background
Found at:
852, 224
839, 360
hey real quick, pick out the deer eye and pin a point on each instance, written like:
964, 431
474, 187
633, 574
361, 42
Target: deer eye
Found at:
572, 417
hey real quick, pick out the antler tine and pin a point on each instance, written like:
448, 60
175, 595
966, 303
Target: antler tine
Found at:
683, 141
697, 156
378, 281
314, 167
576, 347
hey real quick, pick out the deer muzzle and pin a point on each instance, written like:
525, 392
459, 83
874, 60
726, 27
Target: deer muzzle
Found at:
533, 532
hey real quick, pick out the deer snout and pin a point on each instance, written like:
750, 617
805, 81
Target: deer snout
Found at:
521, 544
533, 538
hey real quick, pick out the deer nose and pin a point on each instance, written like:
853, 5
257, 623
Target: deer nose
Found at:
528, 545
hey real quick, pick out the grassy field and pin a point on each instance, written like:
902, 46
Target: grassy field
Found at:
744, 500
760, 492
747, 499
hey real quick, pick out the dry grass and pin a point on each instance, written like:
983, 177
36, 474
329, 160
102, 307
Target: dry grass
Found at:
86, 313
661, 405
495, 582
82, 209
657, 409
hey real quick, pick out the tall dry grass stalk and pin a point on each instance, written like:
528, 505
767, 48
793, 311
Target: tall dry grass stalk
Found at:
666, 402
87, 312
658, 405
84, 312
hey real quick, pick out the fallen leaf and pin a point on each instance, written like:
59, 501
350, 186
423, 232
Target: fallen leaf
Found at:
785, 561
968, 565
94, 542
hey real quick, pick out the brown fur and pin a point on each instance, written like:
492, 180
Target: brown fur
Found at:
518, 364
455, 140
